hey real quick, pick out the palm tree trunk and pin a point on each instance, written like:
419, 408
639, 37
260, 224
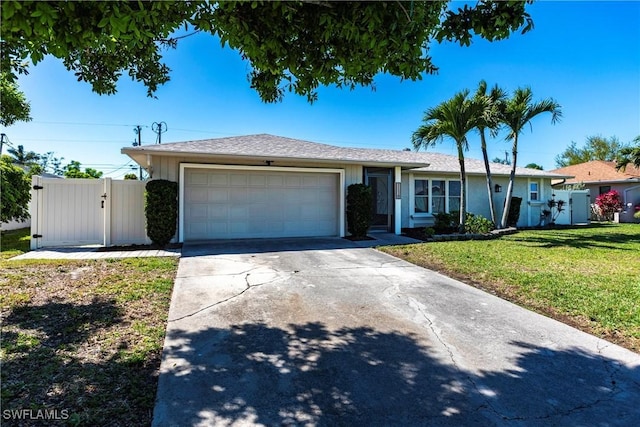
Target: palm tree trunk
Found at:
487, 168
463, 184
512, 178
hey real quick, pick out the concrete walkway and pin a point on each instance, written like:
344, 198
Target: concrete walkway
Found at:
93, 253
320, 332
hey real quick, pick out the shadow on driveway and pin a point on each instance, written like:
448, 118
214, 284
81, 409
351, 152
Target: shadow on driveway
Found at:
307, 374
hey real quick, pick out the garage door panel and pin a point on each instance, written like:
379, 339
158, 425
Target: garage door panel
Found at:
239, 195
326, 197
218, 212
236, 180
310, 181
197, 227
256, 195
293, 181
218, 227
293, 213
198, 194
239, 213
198, 211
245, 203
195, 178
218, 195
257, 180
219, 180
275, 181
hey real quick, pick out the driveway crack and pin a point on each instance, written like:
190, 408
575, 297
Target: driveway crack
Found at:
487, 404
247, 287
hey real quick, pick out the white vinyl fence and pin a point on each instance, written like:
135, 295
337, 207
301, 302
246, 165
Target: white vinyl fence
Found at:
72, 212
577, 208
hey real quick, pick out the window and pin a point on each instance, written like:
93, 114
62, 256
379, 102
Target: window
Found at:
454, 196
436, 196
605, 189
422, 195
534, 193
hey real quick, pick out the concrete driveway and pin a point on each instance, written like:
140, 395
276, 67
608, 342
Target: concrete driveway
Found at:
324, 332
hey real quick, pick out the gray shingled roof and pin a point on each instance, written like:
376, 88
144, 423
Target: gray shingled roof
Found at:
276, 147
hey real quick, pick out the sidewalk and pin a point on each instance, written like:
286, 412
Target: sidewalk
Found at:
93, 252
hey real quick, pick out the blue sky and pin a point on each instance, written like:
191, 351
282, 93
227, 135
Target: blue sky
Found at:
585, 55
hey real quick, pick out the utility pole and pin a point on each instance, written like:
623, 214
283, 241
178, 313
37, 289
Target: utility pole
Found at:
138, 130
157, 128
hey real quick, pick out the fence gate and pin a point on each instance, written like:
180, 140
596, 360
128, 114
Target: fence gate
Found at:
72, 212
577, 208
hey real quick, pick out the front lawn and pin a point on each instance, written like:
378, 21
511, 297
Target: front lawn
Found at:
14, 242
83, 338
588, 277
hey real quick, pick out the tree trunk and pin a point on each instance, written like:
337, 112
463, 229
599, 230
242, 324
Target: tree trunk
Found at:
463, 184
487, 168
512, 178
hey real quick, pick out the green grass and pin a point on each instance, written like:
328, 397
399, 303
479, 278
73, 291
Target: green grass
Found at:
85, 336
588, 277
14, 243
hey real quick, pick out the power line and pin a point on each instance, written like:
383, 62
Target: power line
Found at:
113, 141
85, 124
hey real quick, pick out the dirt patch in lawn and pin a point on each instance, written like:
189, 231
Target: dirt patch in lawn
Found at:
83, 339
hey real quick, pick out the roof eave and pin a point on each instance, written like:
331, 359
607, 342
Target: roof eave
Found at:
610, 181
136, 154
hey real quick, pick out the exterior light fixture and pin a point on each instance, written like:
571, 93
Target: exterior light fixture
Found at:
498, 188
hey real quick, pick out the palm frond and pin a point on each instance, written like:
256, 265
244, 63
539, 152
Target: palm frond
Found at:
628, 156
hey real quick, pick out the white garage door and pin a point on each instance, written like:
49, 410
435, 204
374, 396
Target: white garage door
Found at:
226, 204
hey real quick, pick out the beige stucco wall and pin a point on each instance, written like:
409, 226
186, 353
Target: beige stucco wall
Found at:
477, 201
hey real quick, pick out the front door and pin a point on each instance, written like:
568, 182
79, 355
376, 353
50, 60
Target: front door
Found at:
379, 179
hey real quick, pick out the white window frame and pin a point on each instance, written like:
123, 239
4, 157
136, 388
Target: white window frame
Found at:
413, 215
539, 197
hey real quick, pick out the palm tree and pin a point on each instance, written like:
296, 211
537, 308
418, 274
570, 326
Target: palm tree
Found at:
454, 118
629, 155
519, 110
20, 157
496, 100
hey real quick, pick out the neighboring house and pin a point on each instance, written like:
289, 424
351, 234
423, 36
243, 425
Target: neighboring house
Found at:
271, 186
600, 177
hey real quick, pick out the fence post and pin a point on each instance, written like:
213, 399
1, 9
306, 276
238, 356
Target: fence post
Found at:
34, 211
106, 197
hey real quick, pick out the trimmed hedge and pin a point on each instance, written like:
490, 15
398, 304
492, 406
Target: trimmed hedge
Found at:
161, 210
359, 212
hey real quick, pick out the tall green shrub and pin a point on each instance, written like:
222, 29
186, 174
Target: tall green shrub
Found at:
359, 212
15, 192
161, 210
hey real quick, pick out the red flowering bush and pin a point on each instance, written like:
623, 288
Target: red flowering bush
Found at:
609, 203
